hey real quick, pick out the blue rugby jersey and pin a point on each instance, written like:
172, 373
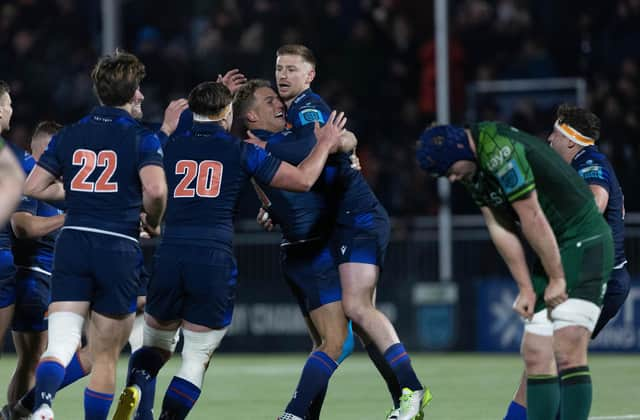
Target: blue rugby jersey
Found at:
206, 169
27, 162
594, 167
99, 159
301, 215
36, 252
307, 108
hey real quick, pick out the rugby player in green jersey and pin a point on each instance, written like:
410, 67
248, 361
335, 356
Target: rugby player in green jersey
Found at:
522, 186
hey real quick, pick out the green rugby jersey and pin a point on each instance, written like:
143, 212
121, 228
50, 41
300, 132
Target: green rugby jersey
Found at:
512, 163
1, 143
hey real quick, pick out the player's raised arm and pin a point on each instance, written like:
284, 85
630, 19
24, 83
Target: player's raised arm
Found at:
11, 182
302, 177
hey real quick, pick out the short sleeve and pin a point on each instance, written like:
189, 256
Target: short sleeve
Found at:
28, 205
50, 159
258, 163
507, 162
149, 150
594, 173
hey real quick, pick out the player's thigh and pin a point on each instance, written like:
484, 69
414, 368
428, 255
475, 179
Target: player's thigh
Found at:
72, 278
108, 333
116, 264
210, 282
165, 291
587, 264
364, 241
537, 344
33, 294
312, 275
29, 346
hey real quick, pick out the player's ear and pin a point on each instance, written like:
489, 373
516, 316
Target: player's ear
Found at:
252, 117
311, 75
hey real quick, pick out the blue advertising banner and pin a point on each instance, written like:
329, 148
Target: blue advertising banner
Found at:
498, 327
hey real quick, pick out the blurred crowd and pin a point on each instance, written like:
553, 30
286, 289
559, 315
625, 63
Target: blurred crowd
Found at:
376, 62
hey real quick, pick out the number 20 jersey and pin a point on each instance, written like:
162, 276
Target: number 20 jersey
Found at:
206, 169
99, 158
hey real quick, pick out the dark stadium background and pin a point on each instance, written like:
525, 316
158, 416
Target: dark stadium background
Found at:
377, 63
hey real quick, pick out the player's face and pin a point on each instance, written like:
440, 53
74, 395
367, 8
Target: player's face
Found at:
136, 102
6, 110
293, 75
268, 110
462, 170
39, 143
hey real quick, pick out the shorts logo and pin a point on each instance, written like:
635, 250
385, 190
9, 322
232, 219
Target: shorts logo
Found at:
343, 249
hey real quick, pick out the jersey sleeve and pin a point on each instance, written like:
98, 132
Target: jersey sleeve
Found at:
506, 161
312, 111
149, 150
258, 163
50, 159
28, 205
595, 173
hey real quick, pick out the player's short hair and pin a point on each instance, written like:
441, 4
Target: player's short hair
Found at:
209, 98
299, 50
244, 99
116, 78
46, 127
4, 87
586, 122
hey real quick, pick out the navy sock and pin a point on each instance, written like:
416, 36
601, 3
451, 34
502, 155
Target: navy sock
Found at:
316, 405
386, 372
96, 405
72, 373
516, 412
315, 377
399, 361
145, 409
180, 398
49, 376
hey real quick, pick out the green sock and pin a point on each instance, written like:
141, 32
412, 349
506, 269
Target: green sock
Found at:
543, 397
575, 392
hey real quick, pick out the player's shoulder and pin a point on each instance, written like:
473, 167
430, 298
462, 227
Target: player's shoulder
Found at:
590, 156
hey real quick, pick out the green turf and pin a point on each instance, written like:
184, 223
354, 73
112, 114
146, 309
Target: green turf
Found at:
465, 386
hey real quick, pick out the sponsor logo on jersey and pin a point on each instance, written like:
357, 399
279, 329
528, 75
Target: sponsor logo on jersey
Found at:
498, 158
308, 116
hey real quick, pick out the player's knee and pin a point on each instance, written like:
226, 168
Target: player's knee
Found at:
196, 353
356, 310
164, 340
537, 353
65, 333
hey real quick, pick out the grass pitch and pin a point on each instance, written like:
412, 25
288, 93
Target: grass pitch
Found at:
464, 386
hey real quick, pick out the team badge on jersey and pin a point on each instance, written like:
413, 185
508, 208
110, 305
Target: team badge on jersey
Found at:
309, 116
510, 177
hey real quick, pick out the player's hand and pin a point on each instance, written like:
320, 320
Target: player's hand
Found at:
146, 228
331, 131
255, 140
355, 162
555, 293
232, 79
172, 115
264, 220
525, 303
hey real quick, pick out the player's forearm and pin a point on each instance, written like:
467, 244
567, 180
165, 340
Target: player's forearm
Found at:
154, 205
601, 197
543, 241
510, 249
311, 168
26, 225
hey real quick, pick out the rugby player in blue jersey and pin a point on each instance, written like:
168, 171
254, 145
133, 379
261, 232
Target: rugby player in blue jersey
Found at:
111, 167
306, 219
574, 135
194, 276
35, 226
11, 177
359, 241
